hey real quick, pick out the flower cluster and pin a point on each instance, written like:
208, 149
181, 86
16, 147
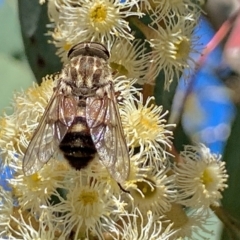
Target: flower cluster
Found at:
166, 26
59, 202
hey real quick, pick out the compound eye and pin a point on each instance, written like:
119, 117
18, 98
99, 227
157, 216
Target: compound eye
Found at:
89, 49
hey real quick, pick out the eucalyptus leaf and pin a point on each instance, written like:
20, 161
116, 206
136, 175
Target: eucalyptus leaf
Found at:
231, 195
40, 54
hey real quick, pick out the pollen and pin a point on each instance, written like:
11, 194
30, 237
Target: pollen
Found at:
145, 123
88, 197
147, 190
35, 177
183, 48
67, 46
206, 177
98, 13
120, 68
33, 182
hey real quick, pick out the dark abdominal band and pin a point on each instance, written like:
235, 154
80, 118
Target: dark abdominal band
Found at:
77, 146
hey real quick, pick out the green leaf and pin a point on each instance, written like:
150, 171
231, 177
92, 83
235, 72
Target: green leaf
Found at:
41, 55
231, 195
165, 98
15, 75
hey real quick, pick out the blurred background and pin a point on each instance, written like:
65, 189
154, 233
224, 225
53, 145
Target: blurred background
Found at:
14, 69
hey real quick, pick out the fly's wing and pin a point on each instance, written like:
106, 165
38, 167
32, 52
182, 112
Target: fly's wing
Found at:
54, 124
103, 119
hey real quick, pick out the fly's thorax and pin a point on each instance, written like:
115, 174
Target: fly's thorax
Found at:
85, 74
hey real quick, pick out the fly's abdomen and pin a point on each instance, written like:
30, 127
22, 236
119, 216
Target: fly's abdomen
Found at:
77, 145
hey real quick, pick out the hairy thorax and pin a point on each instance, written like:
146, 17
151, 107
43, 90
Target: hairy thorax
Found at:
84, 75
